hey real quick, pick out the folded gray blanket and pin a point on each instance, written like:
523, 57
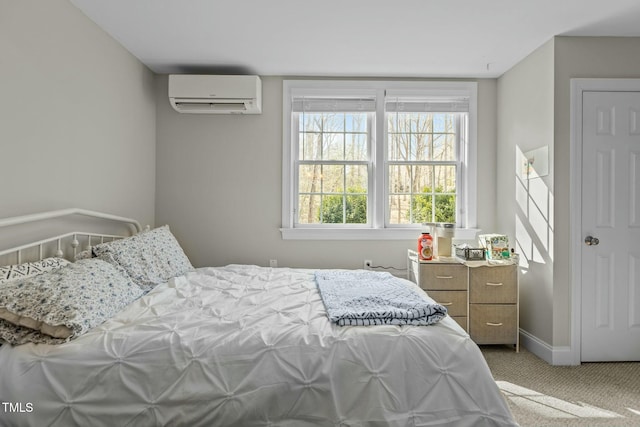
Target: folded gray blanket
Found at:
360, 298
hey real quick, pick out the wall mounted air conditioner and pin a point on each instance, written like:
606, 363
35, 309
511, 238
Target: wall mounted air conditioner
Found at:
209, 94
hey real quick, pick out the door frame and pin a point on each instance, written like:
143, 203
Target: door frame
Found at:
578, 87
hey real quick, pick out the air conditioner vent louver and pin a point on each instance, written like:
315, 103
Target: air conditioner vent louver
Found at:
220, 106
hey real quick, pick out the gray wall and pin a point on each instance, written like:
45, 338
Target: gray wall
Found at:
218, 185
534, 110
78, 115
525, 122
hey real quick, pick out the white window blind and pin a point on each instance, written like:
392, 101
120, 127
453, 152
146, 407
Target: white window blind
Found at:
425, 104
328, 105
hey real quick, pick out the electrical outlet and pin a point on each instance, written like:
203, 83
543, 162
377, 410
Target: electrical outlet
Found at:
368, 264
273, 263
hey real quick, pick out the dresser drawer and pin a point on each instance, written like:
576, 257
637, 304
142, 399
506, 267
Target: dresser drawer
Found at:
493, 323
454, 301
495, 285
443, 276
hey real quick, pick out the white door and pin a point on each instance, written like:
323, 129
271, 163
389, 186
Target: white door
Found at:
610, 312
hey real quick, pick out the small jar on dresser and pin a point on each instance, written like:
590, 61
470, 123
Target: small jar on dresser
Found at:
481, 296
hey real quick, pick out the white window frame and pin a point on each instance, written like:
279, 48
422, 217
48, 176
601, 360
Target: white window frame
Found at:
377, 228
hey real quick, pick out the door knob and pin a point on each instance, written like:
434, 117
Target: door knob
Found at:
591, 241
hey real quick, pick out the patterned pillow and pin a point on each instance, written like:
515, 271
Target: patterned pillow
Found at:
16, 335
28, 269
86, 254
67, 302
150, 258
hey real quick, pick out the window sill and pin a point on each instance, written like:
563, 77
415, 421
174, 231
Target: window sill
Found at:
365, 233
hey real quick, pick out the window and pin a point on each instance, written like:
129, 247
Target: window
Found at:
333, 162
424, 137
376, 159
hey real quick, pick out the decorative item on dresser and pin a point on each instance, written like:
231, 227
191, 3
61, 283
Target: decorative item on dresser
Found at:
482, 296
237, 345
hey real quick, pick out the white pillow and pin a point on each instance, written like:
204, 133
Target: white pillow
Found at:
150, 258
67, 302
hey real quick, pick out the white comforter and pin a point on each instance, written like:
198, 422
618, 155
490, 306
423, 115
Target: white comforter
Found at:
249, 346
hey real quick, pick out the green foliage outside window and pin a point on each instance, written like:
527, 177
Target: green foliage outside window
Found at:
422, 207
355, 212
333, 210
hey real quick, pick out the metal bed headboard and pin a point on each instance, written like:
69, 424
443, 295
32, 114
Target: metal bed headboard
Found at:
56, 245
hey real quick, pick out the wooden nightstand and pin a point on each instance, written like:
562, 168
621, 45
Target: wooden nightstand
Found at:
482, 298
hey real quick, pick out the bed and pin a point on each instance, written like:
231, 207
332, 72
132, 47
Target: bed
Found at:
239, 345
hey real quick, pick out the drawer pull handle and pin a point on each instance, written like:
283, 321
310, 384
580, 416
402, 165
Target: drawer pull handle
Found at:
446, 303
494, 324
444, 277
493, 284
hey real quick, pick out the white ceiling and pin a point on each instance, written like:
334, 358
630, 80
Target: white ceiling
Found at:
373, 38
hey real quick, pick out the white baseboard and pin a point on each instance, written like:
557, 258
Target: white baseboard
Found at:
560, 355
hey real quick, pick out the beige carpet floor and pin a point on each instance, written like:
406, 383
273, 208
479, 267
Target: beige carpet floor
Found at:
541, 395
